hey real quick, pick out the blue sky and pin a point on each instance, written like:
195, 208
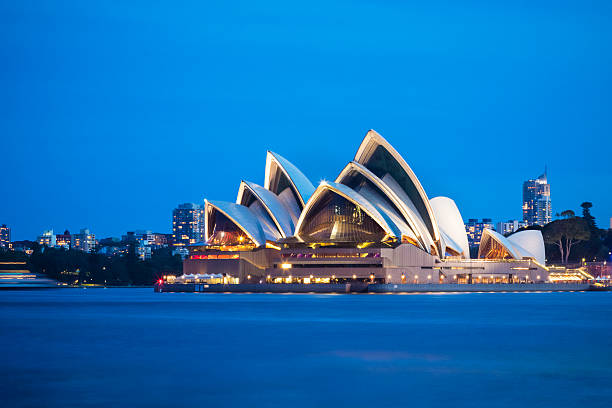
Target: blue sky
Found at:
114, 112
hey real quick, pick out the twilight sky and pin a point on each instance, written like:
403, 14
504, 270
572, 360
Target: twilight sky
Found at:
113, 112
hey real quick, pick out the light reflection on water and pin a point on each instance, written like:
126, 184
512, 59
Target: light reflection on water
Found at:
132, 347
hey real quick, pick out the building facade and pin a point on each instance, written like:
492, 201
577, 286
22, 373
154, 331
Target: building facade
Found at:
63, 240
537, 209
373, 224
5, 237
474, 229
510, 226
187, 224
83, 241
47, 238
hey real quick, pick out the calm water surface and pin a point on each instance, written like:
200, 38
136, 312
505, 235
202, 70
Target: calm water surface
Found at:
132, 347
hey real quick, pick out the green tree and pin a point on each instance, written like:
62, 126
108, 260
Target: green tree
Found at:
565, 234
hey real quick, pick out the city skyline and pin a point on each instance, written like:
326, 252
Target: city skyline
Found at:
115, 126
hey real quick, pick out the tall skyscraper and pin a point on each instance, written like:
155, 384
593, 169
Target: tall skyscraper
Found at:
187, 224
5, 237
536, 201
474, 229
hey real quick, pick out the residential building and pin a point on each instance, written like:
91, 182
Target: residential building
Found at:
161, 240
83, 241
63, 240
47, 238
187, 224
474, 229
143, 250
510, 226
5, 237
537, 208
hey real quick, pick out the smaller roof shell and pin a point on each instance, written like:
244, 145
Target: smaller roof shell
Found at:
298, 180
530, 243
239, 215
272, 204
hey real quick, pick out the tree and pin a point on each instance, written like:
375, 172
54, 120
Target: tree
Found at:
565, 234
586, 214
568, 214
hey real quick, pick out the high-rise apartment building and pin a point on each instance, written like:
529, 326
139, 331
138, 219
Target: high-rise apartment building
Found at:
510, 226
474, 229
83, 241
187, 224
537, 209
5, 237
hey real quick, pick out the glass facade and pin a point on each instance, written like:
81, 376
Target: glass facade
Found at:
336, 219
537, 208
187, 224
224, 233
491, 249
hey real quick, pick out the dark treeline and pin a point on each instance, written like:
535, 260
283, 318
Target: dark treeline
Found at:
73, 266
572, 238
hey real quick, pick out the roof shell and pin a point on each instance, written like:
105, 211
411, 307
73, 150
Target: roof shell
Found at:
298, 180
409, 217
451, 223
239, 215
413, 189
530, 243
270, 201
351, 195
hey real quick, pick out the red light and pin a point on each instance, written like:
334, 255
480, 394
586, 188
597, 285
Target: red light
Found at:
160, 281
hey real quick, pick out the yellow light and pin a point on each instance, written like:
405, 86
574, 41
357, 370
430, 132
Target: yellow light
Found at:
354, 276
248, 276
270, 245
428, 276
286, 266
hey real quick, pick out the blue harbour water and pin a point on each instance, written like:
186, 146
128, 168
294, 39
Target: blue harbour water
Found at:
136, 348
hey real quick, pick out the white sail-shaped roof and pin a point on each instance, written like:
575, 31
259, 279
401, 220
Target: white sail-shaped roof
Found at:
376, 154
352, 196
448, 243
523, 244
240, 215
278, 213
530, 243
451, 224
490, 237
389, 203
302, 187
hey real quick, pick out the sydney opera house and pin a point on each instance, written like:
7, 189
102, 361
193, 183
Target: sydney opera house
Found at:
374, 223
